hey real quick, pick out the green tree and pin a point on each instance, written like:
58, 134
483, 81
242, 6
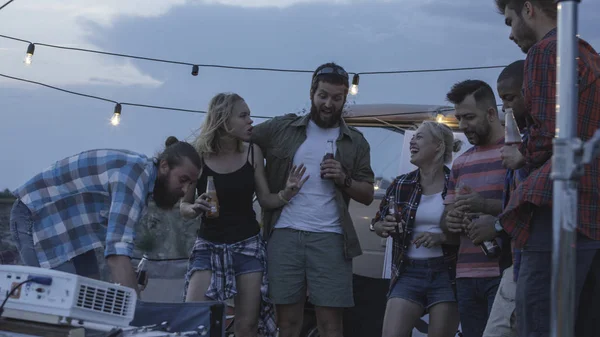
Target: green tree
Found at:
6, 194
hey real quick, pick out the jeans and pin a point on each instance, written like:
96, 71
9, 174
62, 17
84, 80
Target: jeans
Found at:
535, 276
534, 289
475, 300
22, 226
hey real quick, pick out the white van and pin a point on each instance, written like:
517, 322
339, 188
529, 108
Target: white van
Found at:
388, 129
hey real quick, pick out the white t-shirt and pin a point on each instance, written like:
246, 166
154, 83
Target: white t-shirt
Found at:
428, 218
314, 208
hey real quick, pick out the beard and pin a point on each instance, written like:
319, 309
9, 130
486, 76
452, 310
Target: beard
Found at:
323, 119
480, 135
526, 37
161, 195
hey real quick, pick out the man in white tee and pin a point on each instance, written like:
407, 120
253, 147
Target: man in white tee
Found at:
311, 240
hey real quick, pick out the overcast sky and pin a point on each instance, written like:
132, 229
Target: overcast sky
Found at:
40, 125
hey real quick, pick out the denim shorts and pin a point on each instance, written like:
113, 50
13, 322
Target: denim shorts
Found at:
426, 282
242, 264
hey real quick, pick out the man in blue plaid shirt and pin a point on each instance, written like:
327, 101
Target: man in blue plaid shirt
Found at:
94, 199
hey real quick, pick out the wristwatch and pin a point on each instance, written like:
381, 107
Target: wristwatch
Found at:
498, 226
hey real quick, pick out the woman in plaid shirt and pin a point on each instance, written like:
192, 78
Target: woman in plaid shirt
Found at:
423, 261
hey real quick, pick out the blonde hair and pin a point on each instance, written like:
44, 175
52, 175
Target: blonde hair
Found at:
220, 109
442, 133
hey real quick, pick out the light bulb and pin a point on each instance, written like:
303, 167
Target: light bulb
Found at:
29, 56
439, 118
116, 118
354, 87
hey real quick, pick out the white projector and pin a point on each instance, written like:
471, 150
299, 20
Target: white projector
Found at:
49, 295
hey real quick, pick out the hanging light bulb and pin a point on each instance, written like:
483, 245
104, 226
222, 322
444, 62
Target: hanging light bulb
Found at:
30, 51
439, 118
354, 87
195, 70
116, 118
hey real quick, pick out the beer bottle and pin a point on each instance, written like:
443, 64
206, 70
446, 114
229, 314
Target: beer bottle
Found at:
489, 248
142, 273
391, 201
329, 154
393, 211
512, 135
213, 200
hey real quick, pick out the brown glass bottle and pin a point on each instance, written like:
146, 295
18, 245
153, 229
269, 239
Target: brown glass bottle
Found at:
491, 248
393, 211
213, 200
329, 154
142, 272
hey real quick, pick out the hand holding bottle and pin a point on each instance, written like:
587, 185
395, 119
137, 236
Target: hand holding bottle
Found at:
481, 228
201, 204
387, 226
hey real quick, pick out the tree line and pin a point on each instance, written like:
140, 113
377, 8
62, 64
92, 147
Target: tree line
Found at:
6, 194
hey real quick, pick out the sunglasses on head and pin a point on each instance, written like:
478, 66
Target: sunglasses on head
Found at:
332, 70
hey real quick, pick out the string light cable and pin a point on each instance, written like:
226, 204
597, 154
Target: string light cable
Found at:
115, 120
116, 117
196, 66
6, 4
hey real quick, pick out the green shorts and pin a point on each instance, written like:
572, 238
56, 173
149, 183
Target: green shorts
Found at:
298, 261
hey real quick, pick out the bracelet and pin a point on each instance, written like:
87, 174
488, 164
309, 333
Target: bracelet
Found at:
280, 195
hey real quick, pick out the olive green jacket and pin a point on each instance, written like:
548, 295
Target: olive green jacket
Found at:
279, 138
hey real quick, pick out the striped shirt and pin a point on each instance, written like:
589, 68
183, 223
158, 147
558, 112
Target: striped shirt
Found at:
480, 168
90, 200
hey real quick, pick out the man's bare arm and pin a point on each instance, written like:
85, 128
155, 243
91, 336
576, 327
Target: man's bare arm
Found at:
361, 191
492, 206
122, 271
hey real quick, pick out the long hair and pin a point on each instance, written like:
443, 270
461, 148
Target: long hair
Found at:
214, 127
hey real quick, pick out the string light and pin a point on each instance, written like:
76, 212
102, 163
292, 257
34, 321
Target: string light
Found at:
116, 118
354, 87
195, 70
29, 55
195, 66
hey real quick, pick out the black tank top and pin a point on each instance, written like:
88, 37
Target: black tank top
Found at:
235, 190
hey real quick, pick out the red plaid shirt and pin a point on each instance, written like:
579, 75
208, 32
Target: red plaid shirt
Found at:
539, 87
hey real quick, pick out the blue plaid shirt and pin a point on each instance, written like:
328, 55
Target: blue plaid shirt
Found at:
90, 200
